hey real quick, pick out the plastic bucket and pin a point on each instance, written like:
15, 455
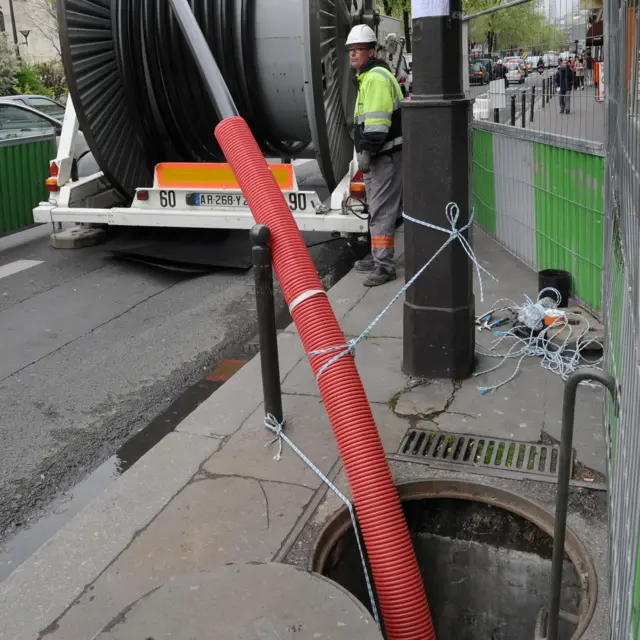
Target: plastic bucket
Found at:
558, 279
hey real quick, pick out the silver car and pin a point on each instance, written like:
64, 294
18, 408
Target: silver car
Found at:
515, 73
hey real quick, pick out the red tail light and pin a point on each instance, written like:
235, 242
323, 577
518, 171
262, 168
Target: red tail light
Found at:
54, 171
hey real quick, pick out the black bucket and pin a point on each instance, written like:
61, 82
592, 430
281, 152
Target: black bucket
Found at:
557, 279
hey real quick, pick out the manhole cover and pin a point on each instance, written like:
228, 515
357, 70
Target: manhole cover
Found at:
484, 452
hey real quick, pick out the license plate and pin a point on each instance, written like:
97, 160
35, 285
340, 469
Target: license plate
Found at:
228, 200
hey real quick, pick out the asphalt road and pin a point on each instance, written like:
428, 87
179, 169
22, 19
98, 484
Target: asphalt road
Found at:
92, 349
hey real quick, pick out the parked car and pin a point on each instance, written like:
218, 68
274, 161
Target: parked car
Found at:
488, 64
45, 105
18, 121
515, 74
477, 74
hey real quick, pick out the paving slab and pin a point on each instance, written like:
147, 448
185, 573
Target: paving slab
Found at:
246, 453
360, 316
378, 361
226, 410
246, 602
51, 580
213, 521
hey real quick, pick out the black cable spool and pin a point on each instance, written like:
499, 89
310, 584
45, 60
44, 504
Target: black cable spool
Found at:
140, 100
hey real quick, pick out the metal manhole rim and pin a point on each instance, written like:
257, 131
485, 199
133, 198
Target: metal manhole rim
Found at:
432, 489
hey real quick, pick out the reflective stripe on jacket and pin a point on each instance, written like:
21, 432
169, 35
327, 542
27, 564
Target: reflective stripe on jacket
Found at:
377, 114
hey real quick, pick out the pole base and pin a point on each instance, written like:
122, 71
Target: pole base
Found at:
438, 343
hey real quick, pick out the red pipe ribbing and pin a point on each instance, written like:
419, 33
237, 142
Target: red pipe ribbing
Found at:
396, 575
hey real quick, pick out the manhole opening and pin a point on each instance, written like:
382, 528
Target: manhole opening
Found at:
481, 451
486, 569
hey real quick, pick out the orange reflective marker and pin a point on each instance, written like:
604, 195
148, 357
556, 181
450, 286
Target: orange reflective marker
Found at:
186, 175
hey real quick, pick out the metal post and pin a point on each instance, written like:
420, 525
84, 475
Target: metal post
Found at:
533, 102
544, 91
513, 110
14, 28
269, 362
439, 310
564, 477
213, 81
523, 108
496, 115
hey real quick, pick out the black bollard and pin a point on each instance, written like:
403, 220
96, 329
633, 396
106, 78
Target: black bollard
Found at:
533, 101
523, 108
513, 110
265, 304
544, 87
496, 115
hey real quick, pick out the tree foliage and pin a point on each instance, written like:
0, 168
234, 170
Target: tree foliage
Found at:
524, 26
394, 8
9, 65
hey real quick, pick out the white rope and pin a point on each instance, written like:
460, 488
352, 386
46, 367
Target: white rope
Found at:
452, 214
271, 423
557, 358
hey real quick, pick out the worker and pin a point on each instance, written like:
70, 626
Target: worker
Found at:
378, 142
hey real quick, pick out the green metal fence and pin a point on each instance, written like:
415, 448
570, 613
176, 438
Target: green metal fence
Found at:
541, 196
24, 167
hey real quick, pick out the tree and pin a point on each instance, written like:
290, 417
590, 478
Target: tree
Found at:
45, 20
9, 65
524, 26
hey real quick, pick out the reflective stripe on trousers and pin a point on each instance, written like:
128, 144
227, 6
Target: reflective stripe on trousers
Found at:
384, 195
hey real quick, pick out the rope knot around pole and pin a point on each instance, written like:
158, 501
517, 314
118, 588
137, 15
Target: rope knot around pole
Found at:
452, 214
271, 423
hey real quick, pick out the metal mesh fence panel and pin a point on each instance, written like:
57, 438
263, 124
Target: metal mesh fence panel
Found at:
622, 236
537, 66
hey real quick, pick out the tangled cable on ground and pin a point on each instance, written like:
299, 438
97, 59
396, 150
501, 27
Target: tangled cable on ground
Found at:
529, 336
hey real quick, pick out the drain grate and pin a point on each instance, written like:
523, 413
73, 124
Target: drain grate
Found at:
492, 454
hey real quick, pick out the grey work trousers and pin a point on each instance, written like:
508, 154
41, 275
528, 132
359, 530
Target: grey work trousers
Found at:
565, 101
384, 195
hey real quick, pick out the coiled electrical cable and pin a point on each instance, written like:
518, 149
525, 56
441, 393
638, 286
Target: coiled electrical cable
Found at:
138, 93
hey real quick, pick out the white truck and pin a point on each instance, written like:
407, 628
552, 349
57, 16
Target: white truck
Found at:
317, 108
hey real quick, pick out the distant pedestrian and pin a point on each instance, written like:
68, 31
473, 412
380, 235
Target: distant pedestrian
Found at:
563, 84
580, 74
589, 68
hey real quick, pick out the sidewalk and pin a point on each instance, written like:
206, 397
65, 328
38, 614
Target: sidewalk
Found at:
210, 493
585, 122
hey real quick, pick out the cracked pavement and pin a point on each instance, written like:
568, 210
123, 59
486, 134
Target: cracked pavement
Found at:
211, 493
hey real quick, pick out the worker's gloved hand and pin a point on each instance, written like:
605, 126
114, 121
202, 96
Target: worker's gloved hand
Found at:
558, 90
364, 161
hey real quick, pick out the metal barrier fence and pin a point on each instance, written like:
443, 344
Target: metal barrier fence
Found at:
24, 167
542, 198
523, 48
622, 306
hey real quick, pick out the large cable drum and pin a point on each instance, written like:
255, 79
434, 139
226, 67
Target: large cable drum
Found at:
140, 100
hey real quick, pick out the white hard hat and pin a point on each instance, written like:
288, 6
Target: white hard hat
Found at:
361, 34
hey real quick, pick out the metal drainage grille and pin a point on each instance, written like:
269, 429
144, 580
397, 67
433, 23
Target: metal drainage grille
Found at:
490, 454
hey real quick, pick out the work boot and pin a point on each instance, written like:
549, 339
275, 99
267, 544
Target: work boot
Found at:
365, 265
379, 276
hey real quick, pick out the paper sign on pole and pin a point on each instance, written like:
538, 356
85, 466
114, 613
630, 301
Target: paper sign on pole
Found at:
429, 8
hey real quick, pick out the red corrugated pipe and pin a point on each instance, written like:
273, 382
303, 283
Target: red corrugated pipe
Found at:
397, 579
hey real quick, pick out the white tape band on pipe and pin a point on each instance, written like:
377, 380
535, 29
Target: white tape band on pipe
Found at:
305, 296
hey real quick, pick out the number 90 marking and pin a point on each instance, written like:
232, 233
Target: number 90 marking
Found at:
297, 201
